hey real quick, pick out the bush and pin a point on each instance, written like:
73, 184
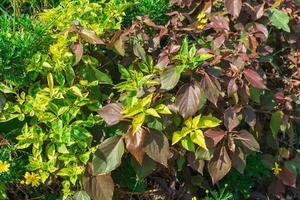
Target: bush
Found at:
149, 99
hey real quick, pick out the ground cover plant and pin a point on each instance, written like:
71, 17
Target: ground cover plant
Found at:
149, 99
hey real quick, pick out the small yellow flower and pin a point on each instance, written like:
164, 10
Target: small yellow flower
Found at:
201, 20
4, 166
194, 198
32, 178
276, 169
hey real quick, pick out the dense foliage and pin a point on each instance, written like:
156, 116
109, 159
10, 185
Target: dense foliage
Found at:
149, 99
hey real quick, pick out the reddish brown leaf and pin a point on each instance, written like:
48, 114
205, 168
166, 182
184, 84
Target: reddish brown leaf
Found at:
77, 48
254, 79
100, 187
220, 23
215, 135
195, 164
230, 119
248, 140
210, 89
261, 31
233, 7
90, 37
163, 61
219, 165
238, 160
111, 113
188, 99
252, 42
232, 87
219, 41
156, 146
287, 177
135, 143
276, 188
257, 12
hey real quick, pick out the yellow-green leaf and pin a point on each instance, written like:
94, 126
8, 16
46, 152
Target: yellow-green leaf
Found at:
196, 121
146, 101
152, 111
131, 111
209, 122
137, 122
76, 91
178, 135
188, 123
198, 138
163, 109
50, 83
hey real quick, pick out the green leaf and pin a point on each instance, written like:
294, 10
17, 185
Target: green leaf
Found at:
90, 73
184, 48
108, 155
137, 122
144, 170
188, 144
209, 122
152, 111
275, 122
198, 138
279, 19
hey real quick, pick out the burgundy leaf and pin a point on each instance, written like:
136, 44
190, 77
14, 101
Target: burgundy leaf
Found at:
232, 87
276, 188
238, 160
248, 140
111, 113
254, 79
195, 164
135, 143
210, 89
233, 7
215, 135
156, 146
77, 48
287, 177
219, 165
244, 94
230, 119
250, 116
188, 99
